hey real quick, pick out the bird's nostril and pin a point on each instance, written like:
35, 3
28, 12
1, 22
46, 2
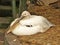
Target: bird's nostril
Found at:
28, 25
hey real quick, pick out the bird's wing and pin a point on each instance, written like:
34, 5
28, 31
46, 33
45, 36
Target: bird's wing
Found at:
48, 22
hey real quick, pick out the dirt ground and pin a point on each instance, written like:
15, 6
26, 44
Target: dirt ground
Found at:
50, 37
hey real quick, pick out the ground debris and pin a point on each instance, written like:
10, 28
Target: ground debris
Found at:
47, 2
50, 37
12, 39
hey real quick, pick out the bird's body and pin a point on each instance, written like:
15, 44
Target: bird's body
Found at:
31, 25
23, 30
35, 20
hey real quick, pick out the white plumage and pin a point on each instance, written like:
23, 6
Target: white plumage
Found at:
31, 24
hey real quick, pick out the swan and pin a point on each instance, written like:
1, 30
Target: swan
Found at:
29, 24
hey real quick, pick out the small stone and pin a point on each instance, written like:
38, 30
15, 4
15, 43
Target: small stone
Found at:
48, 43
14, 40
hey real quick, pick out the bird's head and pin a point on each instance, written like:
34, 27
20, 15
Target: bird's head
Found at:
25, 13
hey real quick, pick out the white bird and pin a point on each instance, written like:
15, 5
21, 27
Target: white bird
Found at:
29, 24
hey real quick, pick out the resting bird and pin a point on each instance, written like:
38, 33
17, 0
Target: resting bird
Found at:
29, 24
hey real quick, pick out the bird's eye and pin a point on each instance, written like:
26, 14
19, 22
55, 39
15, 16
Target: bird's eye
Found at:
28, 25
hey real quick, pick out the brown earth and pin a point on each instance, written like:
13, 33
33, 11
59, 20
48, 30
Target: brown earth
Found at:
50, 37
